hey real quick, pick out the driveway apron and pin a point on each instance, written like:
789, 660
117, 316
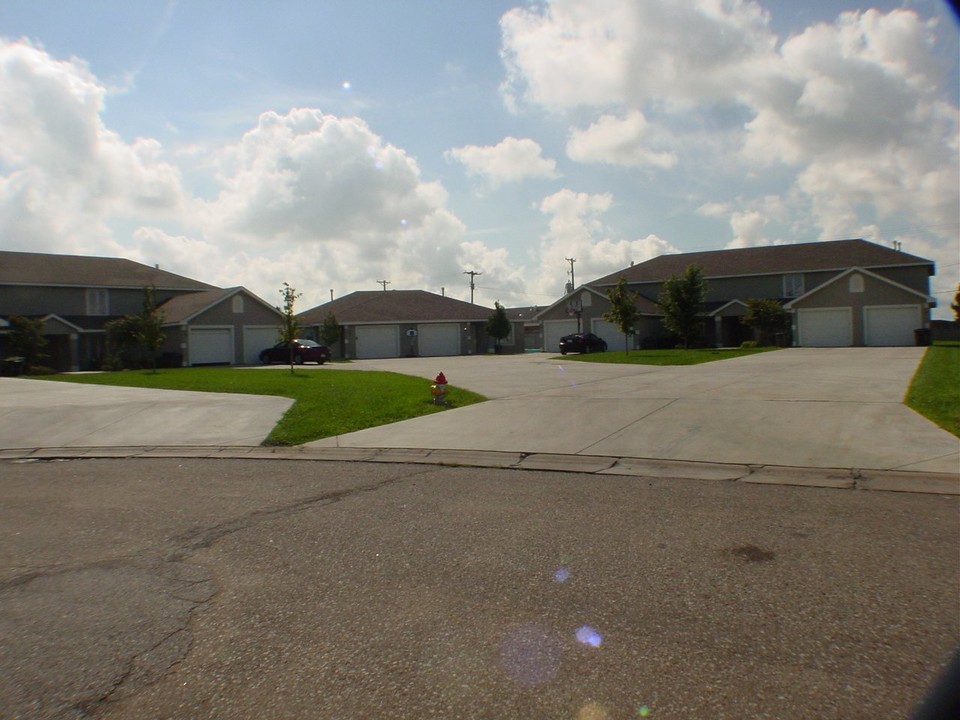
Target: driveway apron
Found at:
36, 413
804, 407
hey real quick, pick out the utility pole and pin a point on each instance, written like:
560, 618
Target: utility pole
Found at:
572, 285
384, 283
472, 274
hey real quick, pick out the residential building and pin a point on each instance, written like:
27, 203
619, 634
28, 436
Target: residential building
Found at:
839, 293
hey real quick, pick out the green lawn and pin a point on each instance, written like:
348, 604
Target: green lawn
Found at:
328, 402
668, 357
935, 389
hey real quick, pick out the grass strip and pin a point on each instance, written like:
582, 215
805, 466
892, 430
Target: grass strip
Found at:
327, 402
935, 389
676, 356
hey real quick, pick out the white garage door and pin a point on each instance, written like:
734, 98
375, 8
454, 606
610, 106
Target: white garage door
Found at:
891, 324
378, 341
825, 327
611, 333
553, 330
438, 340
256, 339
211, 346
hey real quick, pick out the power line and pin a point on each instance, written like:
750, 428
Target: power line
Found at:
384, 283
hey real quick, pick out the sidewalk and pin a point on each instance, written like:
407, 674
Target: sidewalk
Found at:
818, 417
803, 407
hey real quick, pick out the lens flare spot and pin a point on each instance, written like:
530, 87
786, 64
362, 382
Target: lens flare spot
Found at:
530, 655
403, 222
593, 711
643, 711
346, 85
562, 574
586, 635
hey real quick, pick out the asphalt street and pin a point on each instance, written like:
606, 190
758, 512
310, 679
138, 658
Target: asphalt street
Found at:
186, 588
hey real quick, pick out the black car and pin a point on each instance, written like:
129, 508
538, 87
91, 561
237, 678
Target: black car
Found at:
304, 351
582, 343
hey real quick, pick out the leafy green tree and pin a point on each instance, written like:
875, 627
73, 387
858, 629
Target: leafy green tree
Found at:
289, 327
134, 340
330, 330
498, 324
956, 304
681, 301
123, 347
767, 317
27, 341
623, 310
149, 331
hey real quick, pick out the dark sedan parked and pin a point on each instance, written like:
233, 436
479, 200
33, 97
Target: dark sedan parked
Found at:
582, 343
304, 351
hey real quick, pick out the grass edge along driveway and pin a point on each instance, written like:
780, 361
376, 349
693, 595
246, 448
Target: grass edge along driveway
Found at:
325, 403
674, 356
934, 391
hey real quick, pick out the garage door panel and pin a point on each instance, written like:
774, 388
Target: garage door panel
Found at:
553, 330
825, 327
378, 341
438, 340
611, 334
257, 339
891, 324
211, 346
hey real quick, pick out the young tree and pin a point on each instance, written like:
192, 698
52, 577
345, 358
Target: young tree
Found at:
681, 300
27, 340
330, 330
498, 324
623, 310
289, 327
767, 317
149, 332
123, 347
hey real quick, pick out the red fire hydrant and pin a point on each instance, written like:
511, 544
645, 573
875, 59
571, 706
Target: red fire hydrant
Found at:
439, 390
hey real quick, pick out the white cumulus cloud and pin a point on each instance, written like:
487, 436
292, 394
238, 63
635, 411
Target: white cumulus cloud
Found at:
577, 230
618, 141
509, 161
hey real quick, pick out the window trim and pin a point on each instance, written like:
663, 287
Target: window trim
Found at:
97, 301
793, 285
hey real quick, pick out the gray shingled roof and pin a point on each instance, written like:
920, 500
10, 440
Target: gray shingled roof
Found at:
392, 306
181, 308
24, 268
805, 257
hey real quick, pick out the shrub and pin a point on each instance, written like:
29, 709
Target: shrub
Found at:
749, 344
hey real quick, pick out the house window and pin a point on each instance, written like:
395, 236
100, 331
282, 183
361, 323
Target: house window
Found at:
585, 300
237, 305
792, 285
856, 283
98, 302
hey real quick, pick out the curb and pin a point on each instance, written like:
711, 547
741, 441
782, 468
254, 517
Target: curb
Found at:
832, 478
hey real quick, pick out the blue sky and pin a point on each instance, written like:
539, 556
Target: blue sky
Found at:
334, 144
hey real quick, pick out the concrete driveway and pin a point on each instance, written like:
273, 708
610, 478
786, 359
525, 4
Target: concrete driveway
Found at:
36, 413
803, 407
